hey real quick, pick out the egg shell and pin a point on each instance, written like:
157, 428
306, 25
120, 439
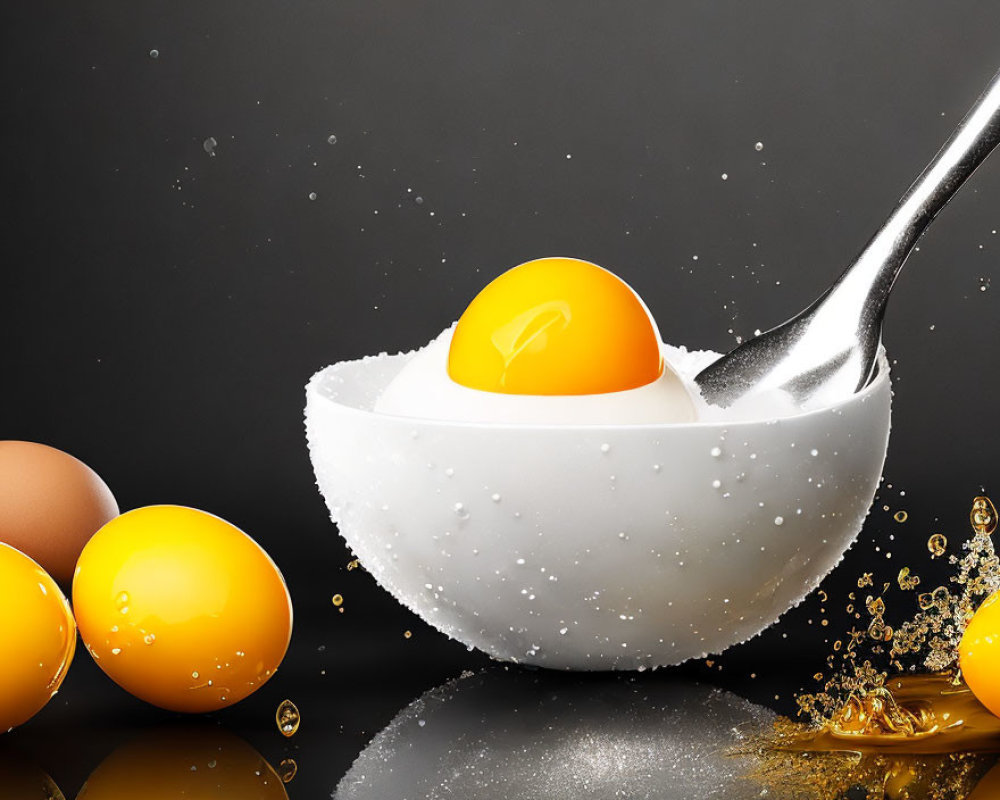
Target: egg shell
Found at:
50, 505
594, 546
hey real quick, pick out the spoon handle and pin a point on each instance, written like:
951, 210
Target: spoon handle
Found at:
870, 278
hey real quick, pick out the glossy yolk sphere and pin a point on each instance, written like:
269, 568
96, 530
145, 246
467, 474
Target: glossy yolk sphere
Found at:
555, 326
37, 637
181, 608
979, 654
167, 764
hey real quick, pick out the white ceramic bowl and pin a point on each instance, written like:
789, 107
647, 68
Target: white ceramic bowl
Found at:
594, 546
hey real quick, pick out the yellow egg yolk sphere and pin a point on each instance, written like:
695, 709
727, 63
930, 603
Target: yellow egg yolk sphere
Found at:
555, 326
979, 653
181, 608
37, 638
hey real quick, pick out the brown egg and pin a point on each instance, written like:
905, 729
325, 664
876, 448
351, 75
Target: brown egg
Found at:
50, 505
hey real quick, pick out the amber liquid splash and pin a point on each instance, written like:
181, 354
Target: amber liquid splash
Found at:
919, 737
910, 714
906, 736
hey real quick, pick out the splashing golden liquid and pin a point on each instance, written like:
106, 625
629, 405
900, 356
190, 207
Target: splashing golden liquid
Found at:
909, 714
919, 737
908, 736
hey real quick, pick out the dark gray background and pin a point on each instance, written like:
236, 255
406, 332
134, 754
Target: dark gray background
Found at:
162, 308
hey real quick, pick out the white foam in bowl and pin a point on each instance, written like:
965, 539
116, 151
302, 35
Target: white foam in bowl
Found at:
594, 546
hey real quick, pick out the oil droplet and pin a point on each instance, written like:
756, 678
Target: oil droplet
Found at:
407, 634
937, 544
287, 769
313, 195
194, 675
209, 145
983, 516
287, 717
331, 139
879, 631
907, 581
759, 146
715, 452
900, 516
779, 520
338, 600
149, 638
154, 53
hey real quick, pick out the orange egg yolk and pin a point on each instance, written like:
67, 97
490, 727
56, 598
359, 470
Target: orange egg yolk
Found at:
979, 653
555, 326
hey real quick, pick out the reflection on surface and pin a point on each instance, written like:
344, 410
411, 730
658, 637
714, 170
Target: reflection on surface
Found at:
518, 735
188, 761
22, 780
865, 774
989, 787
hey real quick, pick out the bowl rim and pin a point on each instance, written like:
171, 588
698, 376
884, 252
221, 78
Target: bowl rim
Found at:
880, 381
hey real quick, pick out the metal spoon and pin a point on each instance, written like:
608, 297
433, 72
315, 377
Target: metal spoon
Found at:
828, 351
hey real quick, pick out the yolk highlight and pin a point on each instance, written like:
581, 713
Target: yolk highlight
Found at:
555, 326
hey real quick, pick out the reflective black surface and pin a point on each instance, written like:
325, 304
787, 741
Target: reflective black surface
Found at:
163, 307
